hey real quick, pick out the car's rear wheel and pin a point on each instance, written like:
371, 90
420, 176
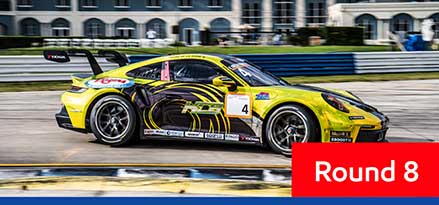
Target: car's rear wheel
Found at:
113, 120
288, 124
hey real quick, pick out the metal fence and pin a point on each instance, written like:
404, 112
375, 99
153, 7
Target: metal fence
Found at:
36, 68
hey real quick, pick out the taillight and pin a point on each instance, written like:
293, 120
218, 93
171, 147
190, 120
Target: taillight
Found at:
77, 89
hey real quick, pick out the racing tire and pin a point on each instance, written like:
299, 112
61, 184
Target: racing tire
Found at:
113, 121
287, 124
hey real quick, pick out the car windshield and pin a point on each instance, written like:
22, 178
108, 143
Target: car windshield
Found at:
252, 74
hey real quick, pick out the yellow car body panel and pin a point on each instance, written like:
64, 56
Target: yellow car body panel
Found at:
329, 118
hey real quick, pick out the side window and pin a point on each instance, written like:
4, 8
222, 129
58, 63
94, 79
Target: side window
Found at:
150, 72
198, 71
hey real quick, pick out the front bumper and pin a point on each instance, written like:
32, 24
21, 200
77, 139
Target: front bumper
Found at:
372, 135
63, 120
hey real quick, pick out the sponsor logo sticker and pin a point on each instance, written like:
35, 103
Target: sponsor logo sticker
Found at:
231, 137
176, 133
248, 139
109, 83
340, 139
194, 134
263, 96
214, 136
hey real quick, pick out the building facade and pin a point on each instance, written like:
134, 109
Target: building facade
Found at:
383, 16
133, 18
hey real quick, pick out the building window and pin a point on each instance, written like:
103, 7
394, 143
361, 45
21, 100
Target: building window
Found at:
369, 24
251, 14
126, 28
60, 27
89, 3
316, 13
30, 27
5, 6
24, 3
215, 3
185, 3
62, 3
3, 30
122, 3
158, 26
402, 23
283, 12
153, 3
93, 30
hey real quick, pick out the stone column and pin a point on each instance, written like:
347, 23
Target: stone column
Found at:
236, 14
46, 29
300, 13
417, 24
385, 28
76, 24
380, 29
267, 15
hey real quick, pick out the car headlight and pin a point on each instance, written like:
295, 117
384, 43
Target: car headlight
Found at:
334, 102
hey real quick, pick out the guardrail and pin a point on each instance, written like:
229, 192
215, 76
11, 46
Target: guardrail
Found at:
36, 68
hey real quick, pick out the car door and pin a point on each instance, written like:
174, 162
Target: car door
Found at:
194, 105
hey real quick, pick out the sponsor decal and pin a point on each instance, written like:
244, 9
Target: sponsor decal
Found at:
155, 132
176, 133
340, 139
356, 117
56, 57
263, 96
109, 83
163, 132
194, 134
248, 139
214, 136
231, 137
202, 108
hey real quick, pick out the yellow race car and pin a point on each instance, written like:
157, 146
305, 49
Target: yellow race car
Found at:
209, 97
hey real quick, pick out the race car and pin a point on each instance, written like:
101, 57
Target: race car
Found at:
209, 97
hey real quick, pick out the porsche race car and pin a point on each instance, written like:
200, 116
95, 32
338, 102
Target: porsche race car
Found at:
209, 97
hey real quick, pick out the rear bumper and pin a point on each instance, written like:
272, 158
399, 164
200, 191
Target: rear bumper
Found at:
63, 120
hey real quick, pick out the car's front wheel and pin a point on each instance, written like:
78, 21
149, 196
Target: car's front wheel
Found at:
113, 120
288, 124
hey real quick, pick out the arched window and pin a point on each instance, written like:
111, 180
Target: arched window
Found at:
126, 28
30, 27
60, 27
220, 25
94, 28
401, 22
435, 18
189, 30
369, 23
157, 25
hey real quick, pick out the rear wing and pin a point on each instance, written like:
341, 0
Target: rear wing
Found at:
60, 56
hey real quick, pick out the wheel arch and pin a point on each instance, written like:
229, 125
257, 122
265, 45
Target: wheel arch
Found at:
310, 111
100, 96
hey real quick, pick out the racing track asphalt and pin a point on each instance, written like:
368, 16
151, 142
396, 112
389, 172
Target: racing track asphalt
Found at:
29, 133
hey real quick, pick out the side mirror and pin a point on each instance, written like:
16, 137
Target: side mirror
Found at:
224, 82
56, 56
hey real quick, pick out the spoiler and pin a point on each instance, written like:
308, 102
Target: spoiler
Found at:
64, 57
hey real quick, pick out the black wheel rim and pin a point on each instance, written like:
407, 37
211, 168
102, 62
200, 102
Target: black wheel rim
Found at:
112, 120
289, 127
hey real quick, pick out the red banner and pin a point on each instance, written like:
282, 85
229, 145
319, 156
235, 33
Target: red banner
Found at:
365, 169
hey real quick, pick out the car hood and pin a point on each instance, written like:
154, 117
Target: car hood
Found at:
335, 92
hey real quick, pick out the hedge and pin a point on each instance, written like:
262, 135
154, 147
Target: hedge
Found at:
344, 35
333, 35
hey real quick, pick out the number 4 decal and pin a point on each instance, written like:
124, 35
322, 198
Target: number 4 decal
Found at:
238, 105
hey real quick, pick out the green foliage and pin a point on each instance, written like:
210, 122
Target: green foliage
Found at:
344, 35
